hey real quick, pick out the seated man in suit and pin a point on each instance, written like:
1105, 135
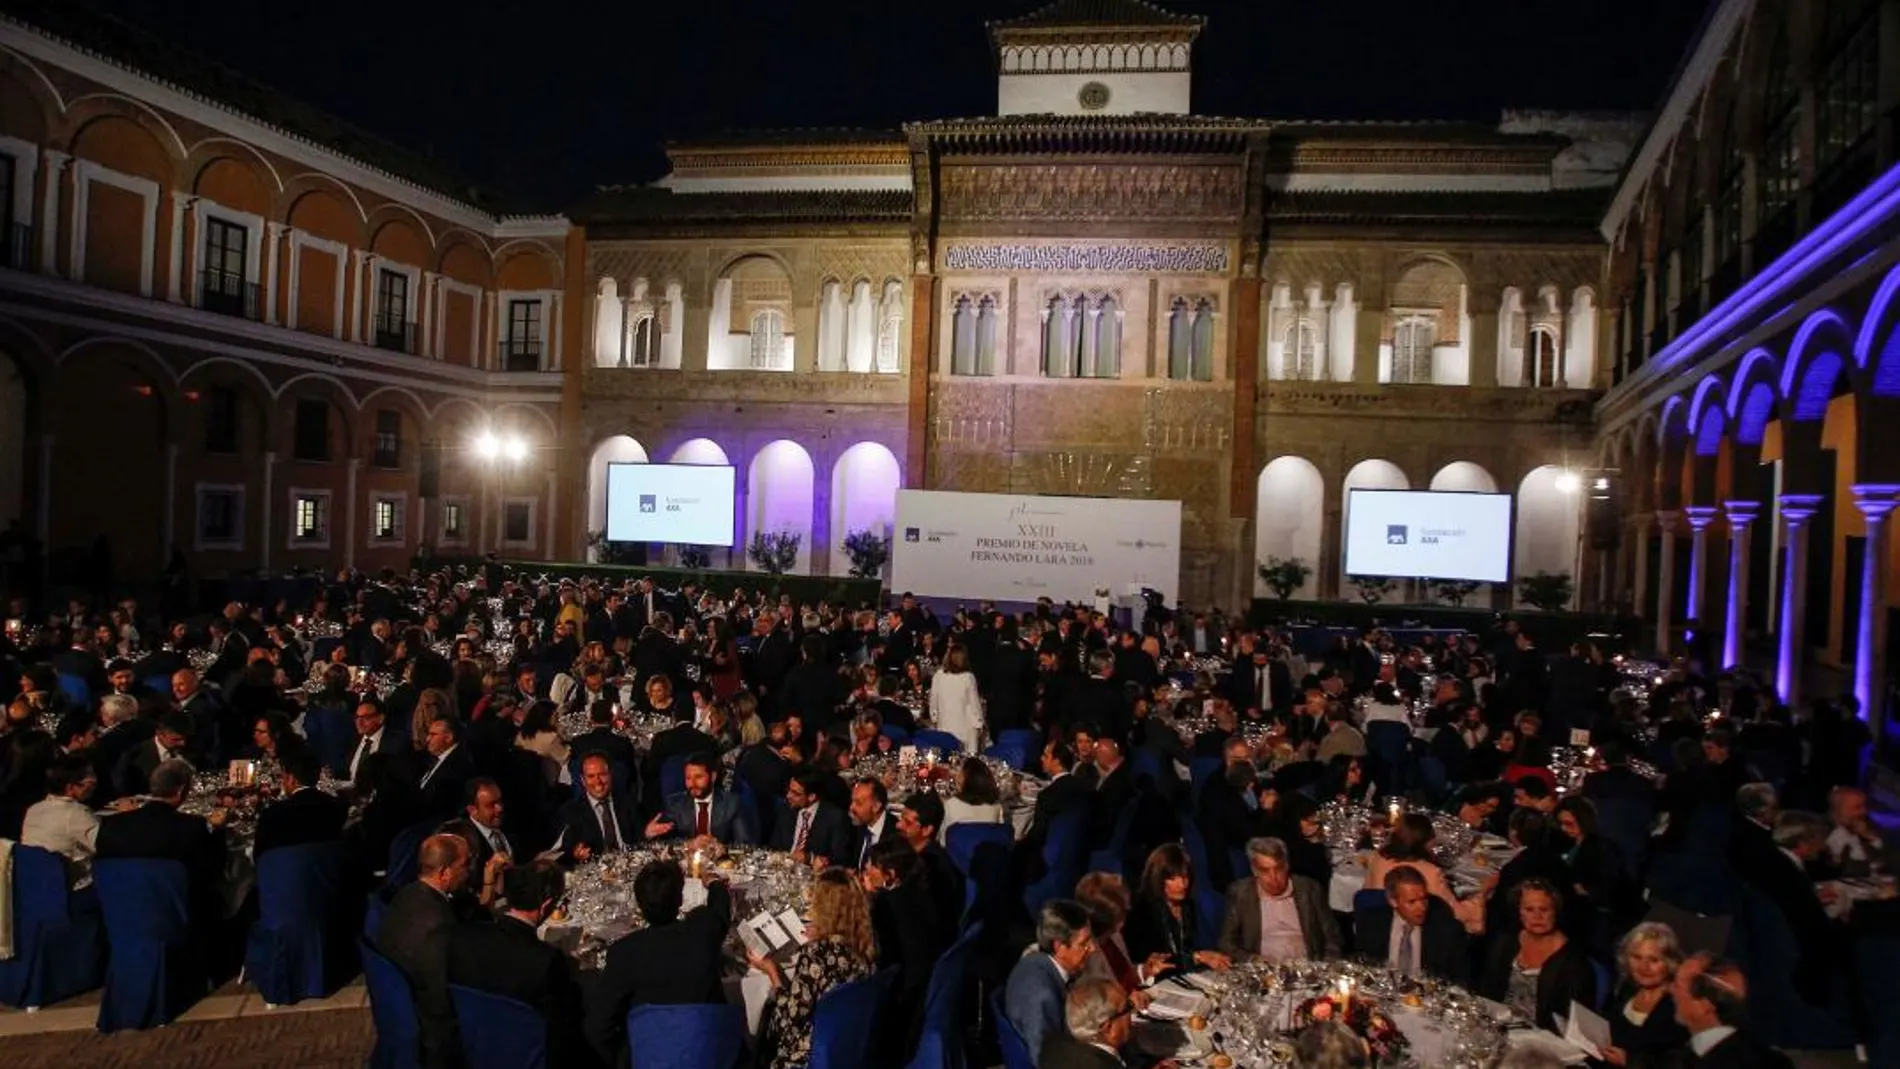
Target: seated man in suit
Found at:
1801, 840
1274, 915
1036, 995
508, 958
480, 825
1064, 792
816, 829
1100, 1020
1711, 997
1415, 933
674, 960
415, 936
373, 736
133, 776
62, 822
444, 781
305, 815
918, 823
601, 738
702, 810
872, 820
599, 821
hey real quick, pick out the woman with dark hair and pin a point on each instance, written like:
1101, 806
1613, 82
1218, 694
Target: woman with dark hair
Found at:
1597, 879
1489, 762
722, 658
1533, 967
1165, 919
978, 800
541, 736
1299, 828
1346, 779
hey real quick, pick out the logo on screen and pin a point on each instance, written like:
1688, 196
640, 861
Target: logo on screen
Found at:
649, 503
912, 534
1395, 534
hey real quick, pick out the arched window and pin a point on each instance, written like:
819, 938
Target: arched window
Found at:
890, 329
1847, 98
1728, 207
767, 348
1412, 342
1055, 340
1300, 355
1180, 340
963, 338
1080, 329
1203, 366
1108, 339
1780, 164
1694, 232
1540, 357
986, 336
644, 346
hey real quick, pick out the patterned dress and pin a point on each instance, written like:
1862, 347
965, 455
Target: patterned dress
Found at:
813, 970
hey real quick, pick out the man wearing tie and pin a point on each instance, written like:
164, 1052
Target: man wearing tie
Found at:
1415, 932
598, 821
480, 824
871, 812
371, 737
816, 830
702, 810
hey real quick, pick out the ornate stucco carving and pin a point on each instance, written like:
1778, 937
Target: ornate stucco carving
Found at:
1087, 257
649, 384
1173, 192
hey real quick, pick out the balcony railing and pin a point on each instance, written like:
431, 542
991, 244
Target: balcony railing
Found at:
16, 246
227, 293
394, 333
520, 354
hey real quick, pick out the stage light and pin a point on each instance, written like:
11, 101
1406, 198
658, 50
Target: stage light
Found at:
1600, 483
1568, 482
487, 446
517, 447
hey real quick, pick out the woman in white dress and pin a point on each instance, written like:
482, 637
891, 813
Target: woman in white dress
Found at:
954, 704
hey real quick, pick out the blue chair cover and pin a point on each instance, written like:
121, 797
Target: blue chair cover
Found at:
376, 905
1028, 738
1387, 742
159, 684
1625, 823
1015, 1050
1209, 905
706, 1036
1432, 777
331, 729
1062, 860
1146, 765
1605, 982
844, 1020
1109, 857
1877, 964
1013, 756
58, 938
1764, 946
498, 1032
292, 953
941, 740
749, 805
1201, 770
405, 854
77, 690
672, 777
392, 1006
155, 970
962, 840
894, 733
1368, 898
941, 1046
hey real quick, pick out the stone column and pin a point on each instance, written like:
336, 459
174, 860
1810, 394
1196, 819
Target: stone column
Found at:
1875, 501
1698, 518
57, 165
554, 497
175, 291
273, 241
1639, 548
1796, 511
264, 515
352, 302
1365, 346
804, 339
1666, 581
1482, 346
170, 528
695, 337
426, 316
349, 513
1741, 515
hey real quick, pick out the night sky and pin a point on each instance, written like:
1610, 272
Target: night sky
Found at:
546, 100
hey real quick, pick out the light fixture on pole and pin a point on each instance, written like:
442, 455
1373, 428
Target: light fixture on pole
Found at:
1568, 482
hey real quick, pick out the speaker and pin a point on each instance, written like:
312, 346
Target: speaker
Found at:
1600, 514
431, 480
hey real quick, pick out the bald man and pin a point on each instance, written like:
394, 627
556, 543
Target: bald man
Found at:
415, 935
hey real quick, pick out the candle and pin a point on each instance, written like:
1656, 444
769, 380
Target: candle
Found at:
1345, 995
1394, 811
696, 864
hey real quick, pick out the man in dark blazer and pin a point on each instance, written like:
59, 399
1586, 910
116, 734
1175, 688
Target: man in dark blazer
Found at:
1064, 791
134, 772
444, 781
601, 738
703, 809
1100, 1021
1008, 678
1273, 883
1036, 995
919, 823
871, 819
812, 828
415, 936
1098, 700
374, 735
1711, 998
480, 824
601, 820
674, 960
305, 815
508, 958
1114, 790
157, 829
1436, 947
811, 689
1800, 840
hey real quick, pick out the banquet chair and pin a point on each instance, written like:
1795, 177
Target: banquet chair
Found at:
405, 854
292, 953
989, 891
158, 684
1061, 858
1432, 778
1112, 856
941, 1045
1028, 738
1208, 901
845, 1019
1015, 1049
1764, 945
1010, 754
1625, 823
76, 689
672, 777
943, 741
1201, 771
897, 735
1877, 966
1388, 746
331, 730
58, 942
962, 840
694, 1036
498, 1032
392, 1007
1369, 898
155, 970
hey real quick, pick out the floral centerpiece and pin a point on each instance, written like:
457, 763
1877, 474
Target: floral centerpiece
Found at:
1361, 1016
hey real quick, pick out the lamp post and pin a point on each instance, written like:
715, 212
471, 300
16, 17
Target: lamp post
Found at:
499, 453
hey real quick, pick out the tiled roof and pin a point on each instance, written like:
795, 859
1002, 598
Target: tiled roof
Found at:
1581, 207
77, 23
644, 204
1131, 13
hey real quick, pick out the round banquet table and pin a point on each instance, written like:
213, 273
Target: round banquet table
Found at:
1469, 858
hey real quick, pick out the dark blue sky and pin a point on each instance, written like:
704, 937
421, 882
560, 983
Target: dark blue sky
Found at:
545, 100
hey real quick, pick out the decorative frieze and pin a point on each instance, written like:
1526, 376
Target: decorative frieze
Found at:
1080, 258
1104, 191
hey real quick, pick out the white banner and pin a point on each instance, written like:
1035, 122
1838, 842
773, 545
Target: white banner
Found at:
1011, 547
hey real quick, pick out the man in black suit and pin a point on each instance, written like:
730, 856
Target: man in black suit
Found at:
1711, 998
813, 828
1415, 932
919, 822
201, 704
374, 735
601, 738
600, 820
1364, 659
415, 936
1098, 700
1114, 790
444, 782
480, 825
673, 961
912, 931
508, 958
1064, 791
1801, 839
78, 659
1100, 1022
1008, 678
305, 815
135, 769
871, 815
811, 689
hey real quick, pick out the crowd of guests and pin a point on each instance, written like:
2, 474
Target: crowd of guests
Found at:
505, 753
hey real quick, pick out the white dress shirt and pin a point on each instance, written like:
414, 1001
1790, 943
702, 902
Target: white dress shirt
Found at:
66, 827
1703, 1042
1414, 967
365, 745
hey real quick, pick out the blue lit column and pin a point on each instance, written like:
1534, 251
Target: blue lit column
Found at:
1698, 518
1796, 511
1875, 501
1741, 516
1666, 582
